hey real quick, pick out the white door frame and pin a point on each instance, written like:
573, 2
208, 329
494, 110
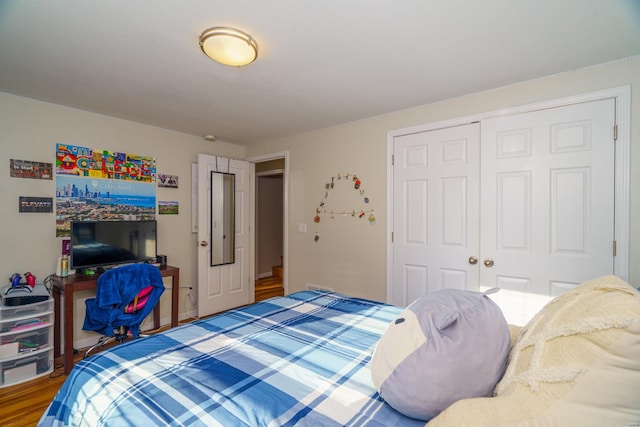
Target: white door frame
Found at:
285, 225
622, 97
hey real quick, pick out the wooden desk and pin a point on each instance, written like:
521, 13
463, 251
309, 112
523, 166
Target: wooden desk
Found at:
67, 286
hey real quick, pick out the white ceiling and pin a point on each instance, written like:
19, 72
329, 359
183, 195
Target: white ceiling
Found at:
320, 63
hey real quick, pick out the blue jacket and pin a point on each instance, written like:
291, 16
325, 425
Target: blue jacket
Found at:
118, 287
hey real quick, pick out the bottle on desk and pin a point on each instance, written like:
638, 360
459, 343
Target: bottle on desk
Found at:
62, 269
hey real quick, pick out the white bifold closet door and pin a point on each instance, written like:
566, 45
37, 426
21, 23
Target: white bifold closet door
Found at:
524, 202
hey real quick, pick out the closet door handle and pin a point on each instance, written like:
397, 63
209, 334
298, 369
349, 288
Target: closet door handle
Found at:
473, 260
488, 262
203, 243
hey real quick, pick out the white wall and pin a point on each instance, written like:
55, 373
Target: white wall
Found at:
29, 130
350, 255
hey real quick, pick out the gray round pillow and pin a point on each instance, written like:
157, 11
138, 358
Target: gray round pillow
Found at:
445, 346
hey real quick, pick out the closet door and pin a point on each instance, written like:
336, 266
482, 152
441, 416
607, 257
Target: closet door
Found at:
523, 202
435, 211
547, 212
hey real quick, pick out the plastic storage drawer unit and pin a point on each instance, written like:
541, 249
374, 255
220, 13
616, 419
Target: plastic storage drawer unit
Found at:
23, 341
26, 341
26, 367
11, 312
25, 323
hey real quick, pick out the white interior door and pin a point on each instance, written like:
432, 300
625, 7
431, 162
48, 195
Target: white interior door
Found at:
547, 203
225, 286
436, 211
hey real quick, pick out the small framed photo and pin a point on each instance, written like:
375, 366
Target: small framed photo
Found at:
167, 181
35, 204
30, 169
66, 246
167, 208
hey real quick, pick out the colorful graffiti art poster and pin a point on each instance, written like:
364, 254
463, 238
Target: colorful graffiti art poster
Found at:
103, 164
101, 186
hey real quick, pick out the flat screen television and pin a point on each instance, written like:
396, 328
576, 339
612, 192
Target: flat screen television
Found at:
107, 243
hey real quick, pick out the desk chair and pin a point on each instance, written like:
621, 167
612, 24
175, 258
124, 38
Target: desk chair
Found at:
124, 298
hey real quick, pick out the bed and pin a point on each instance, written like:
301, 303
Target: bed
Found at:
297, 360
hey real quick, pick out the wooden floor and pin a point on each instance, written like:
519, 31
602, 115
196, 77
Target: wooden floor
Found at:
269, 287
22, 405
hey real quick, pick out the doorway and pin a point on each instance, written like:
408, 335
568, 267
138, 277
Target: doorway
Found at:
270, 225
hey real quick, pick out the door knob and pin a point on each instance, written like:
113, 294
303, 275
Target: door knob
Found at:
473, 260
488, 262
203, 243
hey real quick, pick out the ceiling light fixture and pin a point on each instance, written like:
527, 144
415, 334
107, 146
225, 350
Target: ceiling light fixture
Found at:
229, 46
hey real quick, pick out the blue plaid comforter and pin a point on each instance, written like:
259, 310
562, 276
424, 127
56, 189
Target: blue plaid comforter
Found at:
298, 360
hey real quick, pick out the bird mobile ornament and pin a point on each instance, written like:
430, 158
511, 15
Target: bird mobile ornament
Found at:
323, 212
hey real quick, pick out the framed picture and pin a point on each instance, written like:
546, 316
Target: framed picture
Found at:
35, 204
167, 181
168, 208
29, 169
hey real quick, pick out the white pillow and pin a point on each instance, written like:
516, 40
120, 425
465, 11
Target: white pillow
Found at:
448, 345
